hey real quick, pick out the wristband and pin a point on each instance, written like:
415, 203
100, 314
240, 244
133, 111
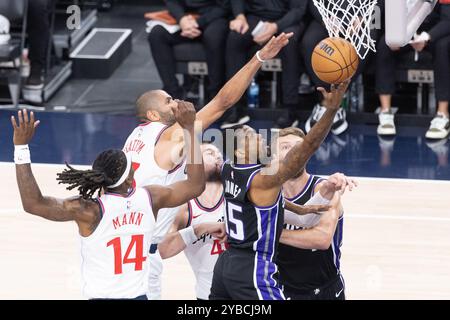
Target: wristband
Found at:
259, 58
22, 154
188, 235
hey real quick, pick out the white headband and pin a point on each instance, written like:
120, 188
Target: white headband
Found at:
125, 174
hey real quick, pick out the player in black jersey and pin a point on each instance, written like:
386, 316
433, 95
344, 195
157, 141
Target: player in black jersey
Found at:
255, 210
308, 259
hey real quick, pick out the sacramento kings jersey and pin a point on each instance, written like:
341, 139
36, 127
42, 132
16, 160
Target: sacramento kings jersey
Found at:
305, 269
250, 227
203, 252
114, 255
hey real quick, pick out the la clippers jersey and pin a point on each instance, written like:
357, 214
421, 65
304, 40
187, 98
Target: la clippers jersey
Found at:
203, 253
304, 269
250, 227
141, 144
114, 255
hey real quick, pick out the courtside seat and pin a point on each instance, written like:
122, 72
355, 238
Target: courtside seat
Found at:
191, 60
420, 72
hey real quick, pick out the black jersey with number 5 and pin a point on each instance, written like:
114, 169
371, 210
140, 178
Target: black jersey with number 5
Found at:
249, 226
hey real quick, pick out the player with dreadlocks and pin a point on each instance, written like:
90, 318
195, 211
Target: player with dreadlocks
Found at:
116, 226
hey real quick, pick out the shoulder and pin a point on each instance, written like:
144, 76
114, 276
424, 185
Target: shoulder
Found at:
83, 209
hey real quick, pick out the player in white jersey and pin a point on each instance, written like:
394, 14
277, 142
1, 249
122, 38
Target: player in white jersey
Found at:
200, 215
156, 151
116, 227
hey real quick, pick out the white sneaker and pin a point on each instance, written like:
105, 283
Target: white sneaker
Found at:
386, 126
315, 116
340, 123
439, 127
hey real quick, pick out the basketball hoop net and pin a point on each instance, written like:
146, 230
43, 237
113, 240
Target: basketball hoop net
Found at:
351, 20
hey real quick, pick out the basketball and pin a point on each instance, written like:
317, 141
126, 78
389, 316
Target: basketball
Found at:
334, 60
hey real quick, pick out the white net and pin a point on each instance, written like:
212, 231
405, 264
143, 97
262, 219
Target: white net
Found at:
351, 20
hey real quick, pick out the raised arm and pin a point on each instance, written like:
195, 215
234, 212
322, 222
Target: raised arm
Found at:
180, 192
299, 155
33, 201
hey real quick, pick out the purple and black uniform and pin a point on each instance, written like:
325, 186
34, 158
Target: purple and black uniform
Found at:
248, 270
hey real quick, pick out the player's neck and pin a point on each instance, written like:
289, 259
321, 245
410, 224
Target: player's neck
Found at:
122, 190
212, 194
292, 187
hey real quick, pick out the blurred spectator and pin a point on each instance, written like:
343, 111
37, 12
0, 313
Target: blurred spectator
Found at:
433, 35
38, 29
278, 16
200, 20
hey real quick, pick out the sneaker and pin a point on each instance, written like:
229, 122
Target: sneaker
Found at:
315, 116
386, 126
340, 123
439, 127
234, 119
36, 80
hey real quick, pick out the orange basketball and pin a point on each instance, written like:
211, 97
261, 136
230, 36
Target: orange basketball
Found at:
334, 60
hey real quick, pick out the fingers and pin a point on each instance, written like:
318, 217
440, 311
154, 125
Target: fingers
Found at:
244, 29
14, 123
25, 116
37, 123
322, 91
20, 117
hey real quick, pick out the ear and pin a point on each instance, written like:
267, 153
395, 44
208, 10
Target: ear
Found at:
239, 154
153, 115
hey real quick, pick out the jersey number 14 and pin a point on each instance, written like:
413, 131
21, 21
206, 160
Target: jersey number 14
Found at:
137, 241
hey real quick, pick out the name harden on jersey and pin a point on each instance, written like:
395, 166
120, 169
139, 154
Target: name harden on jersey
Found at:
232, 188
128, 218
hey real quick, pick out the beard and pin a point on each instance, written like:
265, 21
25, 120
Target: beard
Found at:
168, 119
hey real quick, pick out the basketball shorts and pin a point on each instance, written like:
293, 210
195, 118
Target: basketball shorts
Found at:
241, 274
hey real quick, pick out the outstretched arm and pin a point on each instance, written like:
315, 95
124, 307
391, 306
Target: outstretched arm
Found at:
238, 84
235, 87
32, 199
180, 192
319, 236
299, 155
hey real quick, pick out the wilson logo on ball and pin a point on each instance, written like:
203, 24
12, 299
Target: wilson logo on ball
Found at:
327, 49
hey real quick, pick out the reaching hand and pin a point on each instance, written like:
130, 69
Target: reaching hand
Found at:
274, 46
23, 133
340, 182
217, 230
333, 99
184, 114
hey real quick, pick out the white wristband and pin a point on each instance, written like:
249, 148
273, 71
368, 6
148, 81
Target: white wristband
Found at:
188, 235
22, 154
259, 58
